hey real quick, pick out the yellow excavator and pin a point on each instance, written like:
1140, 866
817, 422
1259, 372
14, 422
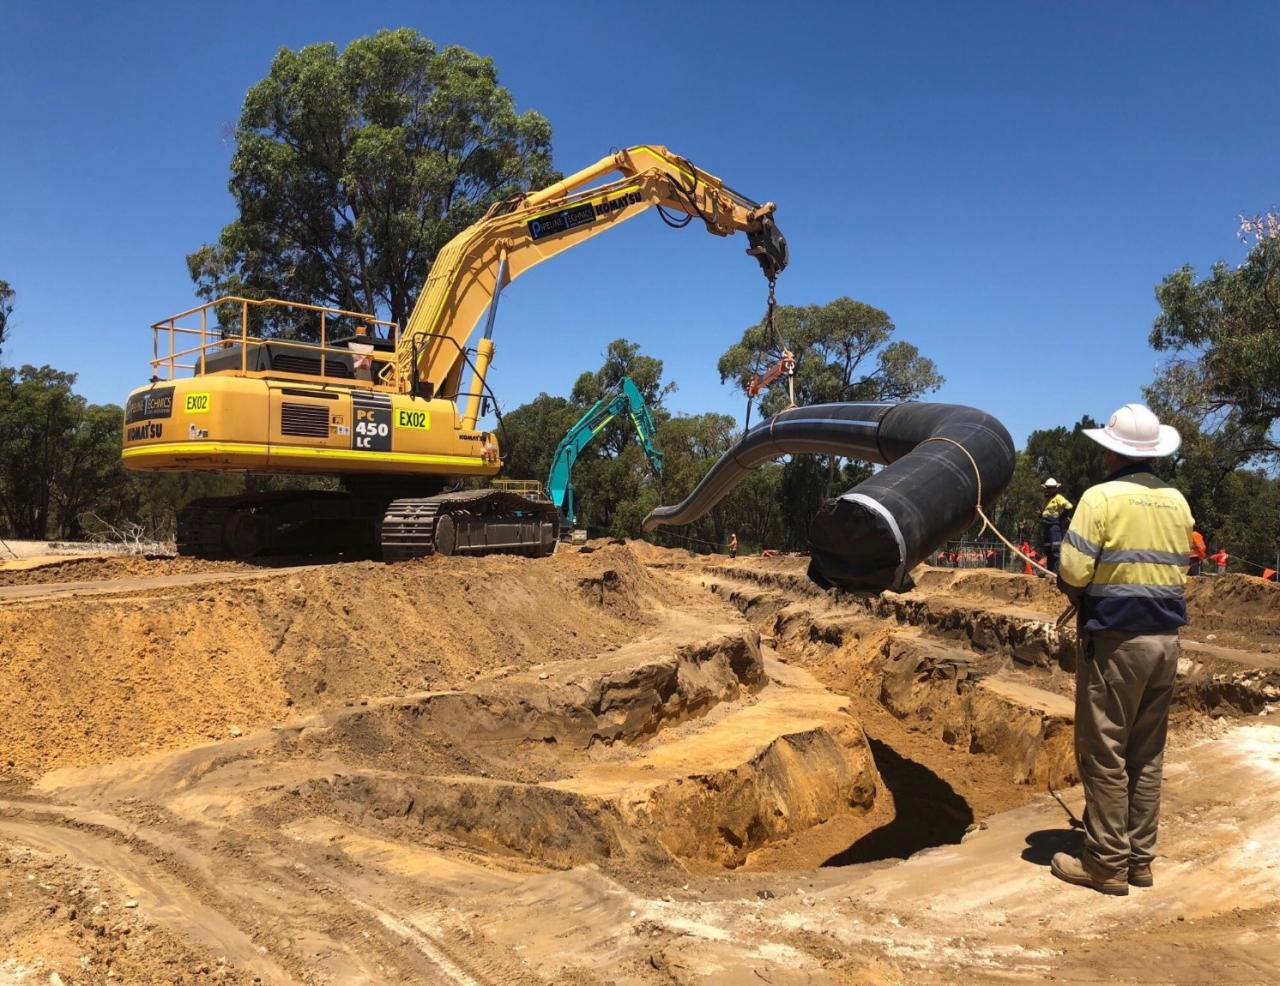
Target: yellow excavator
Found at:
269, 386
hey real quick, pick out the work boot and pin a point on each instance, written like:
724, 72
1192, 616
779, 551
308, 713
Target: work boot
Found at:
1074, 869
1140, 875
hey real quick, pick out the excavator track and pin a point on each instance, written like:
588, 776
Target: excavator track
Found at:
201, 525
290, 522
471, 522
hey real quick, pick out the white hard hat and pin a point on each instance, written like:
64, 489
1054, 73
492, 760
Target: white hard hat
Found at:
1051, 484
1136, 433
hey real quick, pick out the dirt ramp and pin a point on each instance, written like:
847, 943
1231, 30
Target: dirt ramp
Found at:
95, 678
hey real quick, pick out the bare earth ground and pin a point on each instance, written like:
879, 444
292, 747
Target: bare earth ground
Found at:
625, 764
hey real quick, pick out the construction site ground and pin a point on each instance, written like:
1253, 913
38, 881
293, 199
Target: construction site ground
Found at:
619, 764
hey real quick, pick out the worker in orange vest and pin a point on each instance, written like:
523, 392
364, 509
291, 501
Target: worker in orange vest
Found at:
1269, 575
1028, 552
1198, 553
1219, 558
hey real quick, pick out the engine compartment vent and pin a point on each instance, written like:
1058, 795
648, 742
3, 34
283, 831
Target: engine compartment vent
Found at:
304, 420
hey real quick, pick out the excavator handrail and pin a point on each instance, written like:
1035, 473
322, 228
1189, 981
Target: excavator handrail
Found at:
282, 302
215, 338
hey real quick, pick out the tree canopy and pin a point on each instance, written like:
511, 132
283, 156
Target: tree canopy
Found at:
1223, 336
6, 310
353, 168
844, 351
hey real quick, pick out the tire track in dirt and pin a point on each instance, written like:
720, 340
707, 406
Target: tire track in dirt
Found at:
160, 896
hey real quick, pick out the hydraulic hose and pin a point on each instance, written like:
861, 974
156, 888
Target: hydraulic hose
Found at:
940, 460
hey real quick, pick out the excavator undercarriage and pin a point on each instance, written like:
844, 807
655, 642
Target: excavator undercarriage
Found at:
297, 522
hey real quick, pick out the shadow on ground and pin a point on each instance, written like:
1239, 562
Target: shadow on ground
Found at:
1042, 845
927, 812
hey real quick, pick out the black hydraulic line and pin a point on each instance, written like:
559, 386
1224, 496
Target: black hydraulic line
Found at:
871, 536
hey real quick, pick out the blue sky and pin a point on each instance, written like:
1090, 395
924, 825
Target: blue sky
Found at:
1008, 181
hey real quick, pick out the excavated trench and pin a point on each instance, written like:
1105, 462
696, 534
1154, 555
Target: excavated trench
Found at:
964, 687
620, 722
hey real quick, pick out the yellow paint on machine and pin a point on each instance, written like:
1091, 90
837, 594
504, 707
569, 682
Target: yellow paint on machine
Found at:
227, 422
201, 450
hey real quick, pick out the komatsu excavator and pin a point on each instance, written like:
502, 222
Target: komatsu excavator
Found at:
382, 406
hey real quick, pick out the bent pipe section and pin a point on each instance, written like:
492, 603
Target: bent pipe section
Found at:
870, 537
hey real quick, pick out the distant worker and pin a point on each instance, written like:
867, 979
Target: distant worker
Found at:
1124, 564
1220, 558
1051, 520
1198, 553
733, 546
1268, 575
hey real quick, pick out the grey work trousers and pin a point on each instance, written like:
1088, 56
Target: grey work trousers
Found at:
1124, 686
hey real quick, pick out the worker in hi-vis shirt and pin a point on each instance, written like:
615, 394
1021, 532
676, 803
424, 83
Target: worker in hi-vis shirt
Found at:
1053, 520
1124, 564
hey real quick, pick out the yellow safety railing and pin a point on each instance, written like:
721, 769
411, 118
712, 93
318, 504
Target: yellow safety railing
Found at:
185, 342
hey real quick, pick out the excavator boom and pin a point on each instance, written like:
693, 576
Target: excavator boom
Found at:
476, 264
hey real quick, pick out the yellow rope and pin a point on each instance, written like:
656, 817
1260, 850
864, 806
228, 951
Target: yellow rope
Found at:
986, 521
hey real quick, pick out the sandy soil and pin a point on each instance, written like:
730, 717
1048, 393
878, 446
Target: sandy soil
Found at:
620, 765
143, 669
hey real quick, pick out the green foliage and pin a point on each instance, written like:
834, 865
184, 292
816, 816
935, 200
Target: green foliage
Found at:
1223, 332
1065, 454
353, 168
844, 352
60, 469
530, 434
624, 359
1245, 518
6, 310
39, 415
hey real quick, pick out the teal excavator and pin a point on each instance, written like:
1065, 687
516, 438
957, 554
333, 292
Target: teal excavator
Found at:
623, 399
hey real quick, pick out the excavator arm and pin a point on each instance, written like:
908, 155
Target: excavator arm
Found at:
473, 267
628, 400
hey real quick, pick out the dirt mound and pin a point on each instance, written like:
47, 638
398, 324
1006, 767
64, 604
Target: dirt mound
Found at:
1235, 606
122, 567
1002, 587
611, 577
96, 678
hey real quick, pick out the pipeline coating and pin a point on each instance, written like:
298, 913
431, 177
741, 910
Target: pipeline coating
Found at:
870, 537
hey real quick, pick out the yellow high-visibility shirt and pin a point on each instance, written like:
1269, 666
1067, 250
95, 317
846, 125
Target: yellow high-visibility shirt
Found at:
1125, 556
1057, 507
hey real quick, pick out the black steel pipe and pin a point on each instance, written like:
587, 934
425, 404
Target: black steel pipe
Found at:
871, 536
